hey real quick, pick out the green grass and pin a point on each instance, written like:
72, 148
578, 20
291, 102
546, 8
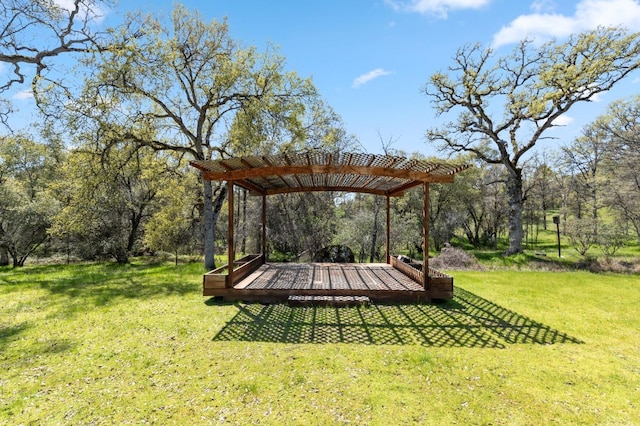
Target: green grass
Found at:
545, 250
138, 343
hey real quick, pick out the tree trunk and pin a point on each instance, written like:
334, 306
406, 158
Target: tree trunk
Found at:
121, 255
243, 231
211, 211
516, 201
4, 256
209, 226
374, 231
136, 220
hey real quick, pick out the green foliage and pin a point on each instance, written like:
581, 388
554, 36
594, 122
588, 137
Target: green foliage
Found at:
611, 238
536, 85
583, 234
27, 169
300, 223
174, 224
107, 199
137, 343
362, 226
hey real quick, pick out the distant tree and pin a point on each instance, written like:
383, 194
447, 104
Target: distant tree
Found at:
27, 169
612, 237
536, 85
301, 222
361, 226
172, 226
543, 193
582, 234
107, 200
445, 214
584, 159
622, 125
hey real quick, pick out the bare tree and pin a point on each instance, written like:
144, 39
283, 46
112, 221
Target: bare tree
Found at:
536, 85
34, 32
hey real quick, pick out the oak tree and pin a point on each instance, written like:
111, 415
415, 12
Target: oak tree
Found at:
187, 79
506, 105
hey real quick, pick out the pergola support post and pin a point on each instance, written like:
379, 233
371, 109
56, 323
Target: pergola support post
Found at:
264, 229
425, 237
230, 232
388, 241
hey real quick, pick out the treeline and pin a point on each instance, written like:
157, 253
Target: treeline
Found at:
90, 203
103, 173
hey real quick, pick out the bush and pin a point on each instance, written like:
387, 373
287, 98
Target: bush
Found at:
455, 258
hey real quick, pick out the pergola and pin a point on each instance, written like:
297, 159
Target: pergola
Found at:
381, 175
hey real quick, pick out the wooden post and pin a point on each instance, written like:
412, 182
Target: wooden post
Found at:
230, 232
388, 232
425, 237
264, 229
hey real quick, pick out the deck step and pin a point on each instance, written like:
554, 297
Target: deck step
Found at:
336, 301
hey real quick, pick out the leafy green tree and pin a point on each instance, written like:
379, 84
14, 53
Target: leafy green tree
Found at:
621, 124
582, 234
189, 79
537, 85
301, 223
362, 226
26, 207
612, 237
544, 193
107, 199
173, 225
584, 159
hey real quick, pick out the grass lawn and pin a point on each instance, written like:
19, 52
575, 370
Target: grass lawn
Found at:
110, 344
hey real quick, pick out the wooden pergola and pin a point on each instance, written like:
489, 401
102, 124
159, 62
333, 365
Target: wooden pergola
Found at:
381, 175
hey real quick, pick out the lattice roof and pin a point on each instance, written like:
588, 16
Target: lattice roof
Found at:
323, 171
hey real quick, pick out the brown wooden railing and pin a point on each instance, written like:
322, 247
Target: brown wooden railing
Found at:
440, 284
219, 278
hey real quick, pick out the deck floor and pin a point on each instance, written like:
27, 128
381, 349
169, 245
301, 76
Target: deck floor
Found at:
328, 276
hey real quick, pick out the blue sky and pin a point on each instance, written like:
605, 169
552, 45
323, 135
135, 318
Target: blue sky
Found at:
371, 58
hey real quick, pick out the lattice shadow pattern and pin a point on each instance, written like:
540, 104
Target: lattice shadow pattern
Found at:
467, 321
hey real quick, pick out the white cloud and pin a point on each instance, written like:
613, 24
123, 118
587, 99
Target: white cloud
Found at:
23, 94
542, 5
563, 120
365, 78
439, 8
92, 13
589, 14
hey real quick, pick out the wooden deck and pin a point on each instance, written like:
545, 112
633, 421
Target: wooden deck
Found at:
275, 282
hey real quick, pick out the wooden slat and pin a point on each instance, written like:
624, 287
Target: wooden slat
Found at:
324, 188
292, 169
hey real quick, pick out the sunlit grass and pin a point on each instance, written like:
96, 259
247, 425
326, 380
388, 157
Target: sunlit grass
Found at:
138, 343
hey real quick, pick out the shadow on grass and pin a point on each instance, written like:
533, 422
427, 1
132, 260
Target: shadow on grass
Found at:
466, 321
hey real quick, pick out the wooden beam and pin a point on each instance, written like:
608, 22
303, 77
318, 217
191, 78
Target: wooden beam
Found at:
402, 188
264, 228
230, 233
388, 242
339, 169
251, 187
425, 237
324, 188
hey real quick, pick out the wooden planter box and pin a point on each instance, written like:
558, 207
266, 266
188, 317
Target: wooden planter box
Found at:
441, 285
219, 278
